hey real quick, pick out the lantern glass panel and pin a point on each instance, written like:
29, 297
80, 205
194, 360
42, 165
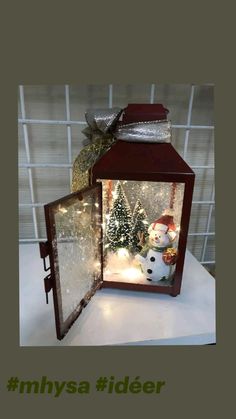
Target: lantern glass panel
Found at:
76, 246
130, 211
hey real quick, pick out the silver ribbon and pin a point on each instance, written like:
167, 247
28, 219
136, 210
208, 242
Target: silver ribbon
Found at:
104, 124
147, 132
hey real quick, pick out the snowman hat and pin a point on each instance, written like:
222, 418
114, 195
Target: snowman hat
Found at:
164, 223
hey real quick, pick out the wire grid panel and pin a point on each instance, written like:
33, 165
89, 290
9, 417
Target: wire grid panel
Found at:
51, 119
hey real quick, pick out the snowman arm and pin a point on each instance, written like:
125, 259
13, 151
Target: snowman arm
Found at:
144, 251
140, 258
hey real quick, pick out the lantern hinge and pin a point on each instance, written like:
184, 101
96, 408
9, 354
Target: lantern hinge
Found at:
44, 252
47, 285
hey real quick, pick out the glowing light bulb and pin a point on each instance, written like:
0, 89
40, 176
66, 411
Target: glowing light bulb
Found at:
122, 253
96, 205
63, 210
97, 264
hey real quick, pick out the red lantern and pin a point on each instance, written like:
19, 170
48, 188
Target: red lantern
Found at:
77, 225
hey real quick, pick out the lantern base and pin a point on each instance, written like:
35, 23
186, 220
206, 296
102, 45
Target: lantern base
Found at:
138, 287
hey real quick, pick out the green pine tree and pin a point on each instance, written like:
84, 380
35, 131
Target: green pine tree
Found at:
120, 221
139, 231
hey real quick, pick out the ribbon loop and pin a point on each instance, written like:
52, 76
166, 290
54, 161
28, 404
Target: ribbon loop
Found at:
101, 122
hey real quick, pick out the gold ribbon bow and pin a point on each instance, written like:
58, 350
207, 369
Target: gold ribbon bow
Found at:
103, 131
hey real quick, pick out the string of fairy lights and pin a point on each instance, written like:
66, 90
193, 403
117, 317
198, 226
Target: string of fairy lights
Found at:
119, 201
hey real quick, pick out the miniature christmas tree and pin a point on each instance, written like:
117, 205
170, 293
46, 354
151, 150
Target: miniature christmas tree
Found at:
139, 231
120, 221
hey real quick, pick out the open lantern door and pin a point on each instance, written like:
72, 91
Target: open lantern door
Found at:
74, 247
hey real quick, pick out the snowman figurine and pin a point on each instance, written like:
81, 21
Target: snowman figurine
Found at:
158, 255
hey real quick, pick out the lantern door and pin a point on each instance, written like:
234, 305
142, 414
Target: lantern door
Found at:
74, 230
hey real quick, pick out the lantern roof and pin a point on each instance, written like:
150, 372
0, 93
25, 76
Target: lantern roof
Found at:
141, 161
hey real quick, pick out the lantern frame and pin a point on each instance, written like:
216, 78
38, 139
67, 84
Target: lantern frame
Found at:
125, 161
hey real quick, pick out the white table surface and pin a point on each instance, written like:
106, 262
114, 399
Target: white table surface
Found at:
120, 317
